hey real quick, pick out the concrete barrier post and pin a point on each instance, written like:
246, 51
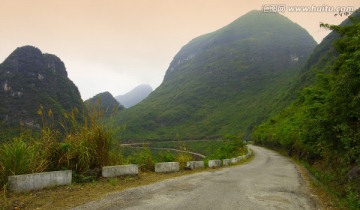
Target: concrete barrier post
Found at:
249, 151
214, 163
195, 164
167, 167
226, 162
37, 181
239, 158
120, 170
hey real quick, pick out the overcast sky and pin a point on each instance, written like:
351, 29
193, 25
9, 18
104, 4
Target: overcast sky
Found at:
115, 45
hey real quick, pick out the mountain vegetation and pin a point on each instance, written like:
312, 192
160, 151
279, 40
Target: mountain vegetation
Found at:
322, 125
134, 96
223, 82
30, 81
106, 102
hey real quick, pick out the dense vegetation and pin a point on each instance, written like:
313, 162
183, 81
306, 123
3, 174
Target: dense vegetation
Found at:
322, 126
29, 80
223, 82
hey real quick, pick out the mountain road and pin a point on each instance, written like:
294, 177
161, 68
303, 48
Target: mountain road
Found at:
269, 181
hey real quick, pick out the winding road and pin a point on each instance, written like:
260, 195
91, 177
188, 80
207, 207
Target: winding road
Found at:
172, 149
269, 181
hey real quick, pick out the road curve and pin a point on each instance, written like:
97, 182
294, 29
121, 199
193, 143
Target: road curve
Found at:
172, 149
269, 181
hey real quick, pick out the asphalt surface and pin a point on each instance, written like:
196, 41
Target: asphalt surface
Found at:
269, 181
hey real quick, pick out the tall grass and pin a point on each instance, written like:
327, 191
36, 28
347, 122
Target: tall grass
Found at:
90, 145
20, 157
81, 146
28, 153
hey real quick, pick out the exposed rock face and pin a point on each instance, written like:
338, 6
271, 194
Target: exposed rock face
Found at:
30, 80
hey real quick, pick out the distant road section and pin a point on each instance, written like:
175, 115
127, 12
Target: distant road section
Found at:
269, 181
175, 150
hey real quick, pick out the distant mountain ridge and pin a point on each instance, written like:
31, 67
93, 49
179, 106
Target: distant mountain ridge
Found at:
106, 101
134, 96
224, 82
29, 80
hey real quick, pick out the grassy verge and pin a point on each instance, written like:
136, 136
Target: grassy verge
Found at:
323, 183
324, 196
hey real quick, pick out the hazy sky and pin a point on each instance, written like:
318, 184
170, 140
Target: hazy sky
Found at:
115, 45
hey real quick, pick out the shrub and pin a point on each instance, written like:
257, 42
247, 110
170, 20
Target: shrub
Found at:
182, 158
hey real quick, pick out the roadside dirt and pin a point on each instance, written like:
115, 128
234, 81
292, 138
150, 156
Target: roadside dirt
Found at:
65, 197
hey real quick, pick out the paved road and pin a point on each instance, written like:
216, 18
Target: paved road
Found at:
269, 181
172, 149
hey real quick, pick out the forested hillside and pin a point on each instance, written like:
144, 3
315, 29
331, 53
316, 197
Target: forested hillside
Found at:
33, 82
223, 82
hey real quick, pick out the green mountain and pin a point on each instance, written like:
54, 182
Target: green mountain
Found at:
223, 82
29, 80
106, 101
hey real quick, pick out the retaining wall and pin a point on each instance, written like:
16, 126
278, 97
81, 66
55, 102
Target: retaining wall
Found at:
29, 182
120, 170
167, 167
